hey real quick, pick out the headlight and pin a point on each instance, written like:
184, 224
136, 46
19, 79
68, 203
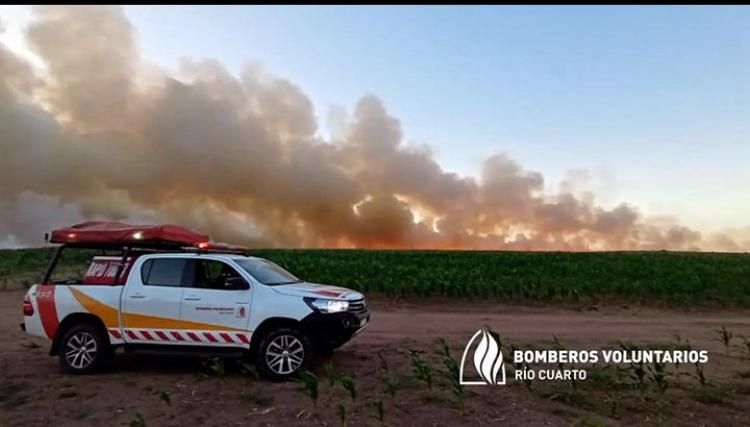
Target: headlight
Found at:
327, 305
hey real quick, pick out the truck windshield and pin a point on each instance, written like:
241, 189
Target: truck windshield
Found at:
267, 272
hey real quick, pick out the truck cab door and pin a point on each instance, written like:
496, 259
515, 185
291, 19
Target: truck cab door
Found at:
151, 301
217, 295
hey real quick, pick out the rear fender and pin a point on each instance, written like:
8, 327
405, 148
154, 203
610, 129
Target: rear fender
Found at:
73, 320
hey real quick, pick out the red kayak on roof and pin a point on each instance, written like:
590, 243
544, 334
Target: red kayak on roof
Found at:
105, 232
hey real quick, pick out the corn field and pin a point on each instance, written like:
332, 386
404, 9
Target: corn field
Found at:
671, 277
641, 277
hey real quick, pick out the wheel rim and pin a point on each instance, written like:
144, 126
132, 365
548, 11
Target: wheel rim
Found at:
285, 354
80, 350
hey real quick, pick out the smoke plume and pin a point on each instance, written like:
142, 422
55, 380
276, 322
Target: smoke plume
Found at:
99, 133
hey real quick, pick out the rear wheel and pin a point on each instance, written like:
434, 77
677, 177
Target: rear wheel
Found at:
282, 353
84, 350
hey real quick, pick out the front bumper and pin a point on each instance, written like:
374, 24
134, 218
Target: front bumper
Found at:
334, 329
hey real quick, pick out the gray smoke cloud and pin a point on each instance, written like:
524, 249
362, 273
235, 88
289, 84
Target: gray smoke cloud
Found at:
99, 133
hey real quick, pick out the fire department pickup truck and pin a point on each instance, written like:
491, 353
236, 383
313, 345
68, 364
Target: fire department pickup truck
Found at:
169, 290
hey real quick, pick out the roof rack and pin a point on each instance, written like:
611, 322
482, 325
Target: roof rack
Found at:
116, 235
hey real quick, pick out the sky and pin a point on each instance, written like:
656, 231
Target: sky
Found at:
653, 102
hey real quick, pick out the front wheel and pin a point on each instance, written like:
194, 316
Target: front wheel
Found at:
282, 353
83, 350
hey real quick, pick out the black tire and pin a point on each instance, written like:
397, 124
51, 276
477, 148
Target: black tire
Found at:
94, 352
269, 365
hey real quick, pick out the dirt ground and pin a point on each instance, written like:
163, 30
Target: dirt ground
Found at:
158, 391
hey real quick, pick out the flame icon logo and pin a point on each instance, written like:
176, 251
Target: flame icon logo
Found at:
488, 360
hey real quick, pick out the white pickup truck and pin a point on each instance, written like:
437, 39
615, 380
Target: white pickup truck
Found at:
203, 300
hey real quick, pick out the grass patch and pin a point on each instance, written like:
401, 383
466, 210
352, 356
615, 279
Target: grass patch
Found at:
570, 396
589, 421
711, 395
10, 393
257, 397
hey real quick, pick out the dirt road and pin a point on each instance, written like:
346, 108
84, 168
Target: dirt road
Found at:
188, 392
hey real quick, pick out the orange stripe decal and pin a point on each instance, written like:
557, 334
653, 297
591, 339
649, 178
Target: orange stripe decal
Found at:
103, 311
140, 321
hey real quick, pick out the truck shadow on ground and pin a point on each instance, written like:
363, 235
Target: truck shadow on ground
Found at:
148, 364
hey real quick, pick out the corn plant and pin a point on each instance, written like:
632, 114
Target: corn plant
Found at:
746, 346
250, 370
137, 421
725, 337
635, 371
308, 384
558, 346
392, 384
383, 361
699, 375
164, 397
332, 374
613, 403
657, 375
350, 386
379, 409
452, 369
215, 366
421, 369
341, 413
520, 366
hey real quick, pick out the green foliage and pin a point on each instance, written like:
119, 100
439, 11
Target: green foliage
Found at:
520, 366
711, 395
10, 393
257, 396
164, 397
331, 373
392, 384
349, 385
308, 384
635, 371
214, 366
137, 421
571, 396
657, 376
654, 277
673, 277
379, 408
699, 375
384, 361
589, 421
452, 369
341, 413
250, 370
421, 369
613, 403
725, 337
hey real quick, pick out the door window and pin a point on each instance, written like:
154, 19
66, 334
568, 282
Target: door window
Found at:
210, 274
163, 271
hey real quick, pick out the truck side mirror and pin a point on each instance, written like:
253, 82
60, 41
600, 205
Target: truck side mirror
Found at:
236, 284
